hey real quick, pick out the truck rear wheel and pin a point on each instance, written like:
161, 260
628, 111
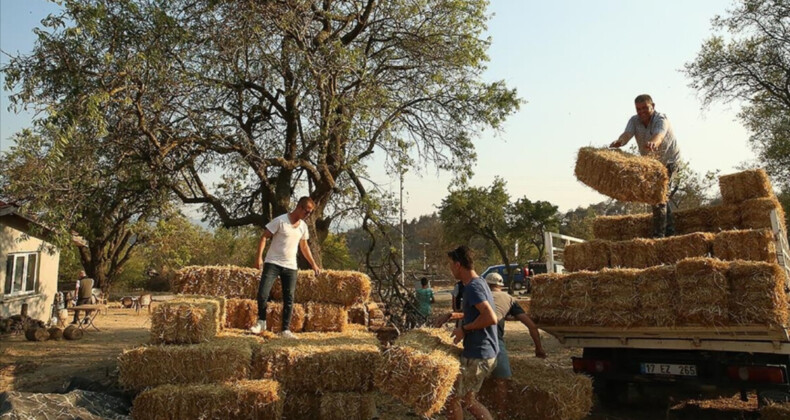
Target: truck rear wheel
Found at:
610, 393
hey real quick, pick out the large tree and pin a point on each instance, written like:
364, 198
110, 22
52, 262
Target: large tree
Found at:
248, 104
748, 60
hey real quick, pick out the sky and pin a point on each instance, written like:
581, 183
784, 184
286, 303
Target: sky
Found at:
577, 64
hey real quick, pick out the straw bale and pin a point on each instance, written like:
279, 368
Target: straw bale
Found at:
657, 290
241, 313
325, 317
320, 362
675, 248
745, 185
355, 328
301, 405
229, 281
614, 297
622, 176
525, 304
357, 314
707, 219
577, 297
750, 245
547, 293
222, 359
635, 253
539, 390
274, 317
420, 369
331, 286
591, 255
758, 294
347, 406
756, 213
777, 411
703, 291
624, 227
238, 400
184, 323
220, 301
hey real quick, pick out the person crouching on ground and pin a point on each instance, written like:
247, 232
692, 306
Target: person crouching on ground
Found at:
288, 233
506, 305
478, 333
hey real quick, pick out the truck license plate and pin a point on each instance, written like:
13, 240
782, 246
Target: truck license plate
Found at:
669, 369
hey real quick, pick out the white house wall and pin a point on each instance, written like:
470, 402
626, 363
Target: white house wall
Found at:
12, 240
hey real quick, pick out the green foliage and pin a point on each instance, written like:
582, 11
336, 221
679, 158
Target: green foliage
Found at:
747, 60
336, 255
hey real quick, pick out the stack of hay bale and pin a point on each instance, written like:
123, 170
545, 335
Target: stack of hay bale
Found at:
623, 279
321, 305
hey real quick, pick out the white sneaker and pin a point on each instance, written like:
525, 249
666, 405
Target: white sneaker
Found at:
260, 326
288, 334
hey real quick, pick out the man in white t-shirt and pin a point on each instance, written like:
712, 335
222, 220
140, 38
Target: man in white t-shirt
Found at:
288, 233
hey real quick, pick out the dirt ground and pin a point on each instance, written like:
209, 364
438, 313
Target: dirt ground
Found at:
49, 366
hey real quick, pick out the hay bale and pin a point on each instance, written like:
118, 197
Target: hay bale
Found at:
345, 288
55, 333
758, 294
220, 360
539, 390
301, 405
750, 245
776, 411
675, 248
745, 185
703, 291
220, 301
237, 400
73, 333
756, 213
578, 308
623, 176
420, 369
228, 281
614, 298
319, 362
624, 227
657, 290
347, 406
274, 317
635, 253
591, 255
325, 317
547, 293
357, 314
241, 313
707, 219
37, 334
185, 322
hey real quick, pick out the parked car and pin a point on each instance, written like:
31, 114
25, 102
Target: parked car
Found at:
520, 280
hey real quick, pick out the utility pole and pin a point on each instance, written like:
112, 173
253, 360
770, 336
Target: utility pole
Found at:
402, 235
424, 256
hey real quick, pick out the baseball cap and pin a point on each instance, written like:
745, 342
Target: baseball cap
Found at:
495, 279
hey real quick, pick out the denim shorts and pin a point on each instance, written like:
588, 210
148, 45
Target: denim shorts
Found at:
502, 368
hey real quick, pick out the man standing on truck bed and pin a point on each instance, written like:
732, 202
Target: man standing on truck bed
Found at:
478, 332
506, 305
655, 137
289, 232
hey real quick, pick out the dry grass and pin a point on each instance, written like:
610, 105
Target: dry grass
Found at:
578, 298
707, 219
219, 360
347, 406
622, 176
692, 245
756, 213
541, 391
241, 313
636, 253
623, 228
745, 185
547, 293
229, 281
274, 317
420, 369
184, 323
703, 291
239, 400
657, 290
758, 296
614, 298
591, 255
325, 317
778, 411
320, 362
750, 245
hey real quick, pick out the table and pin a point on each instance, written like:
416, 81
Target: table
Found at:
92, 311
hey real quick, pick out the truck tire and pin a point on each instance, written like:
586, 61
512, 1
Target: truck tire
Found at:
517, 285
610, 393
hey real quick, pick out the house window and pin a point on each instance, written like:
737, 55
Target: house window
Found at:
21, 273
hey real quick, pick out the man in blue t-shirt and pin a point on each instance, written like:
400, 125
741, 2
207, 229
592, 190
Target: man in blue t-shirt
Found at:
479, 335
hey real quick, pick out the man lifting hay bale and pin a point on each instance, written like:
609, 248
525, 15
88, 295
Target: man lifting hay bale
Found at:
655, 137
288, 232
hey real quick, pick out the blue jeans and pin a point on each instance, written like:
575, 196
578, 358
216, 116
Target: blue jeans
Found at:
502, 368
288, 281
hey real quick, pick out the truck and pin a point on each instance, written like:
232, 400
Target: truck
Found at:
738, 358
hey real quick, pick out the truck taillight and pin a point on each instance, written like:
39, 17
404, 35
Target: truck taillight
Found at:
582, 365
768, 374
